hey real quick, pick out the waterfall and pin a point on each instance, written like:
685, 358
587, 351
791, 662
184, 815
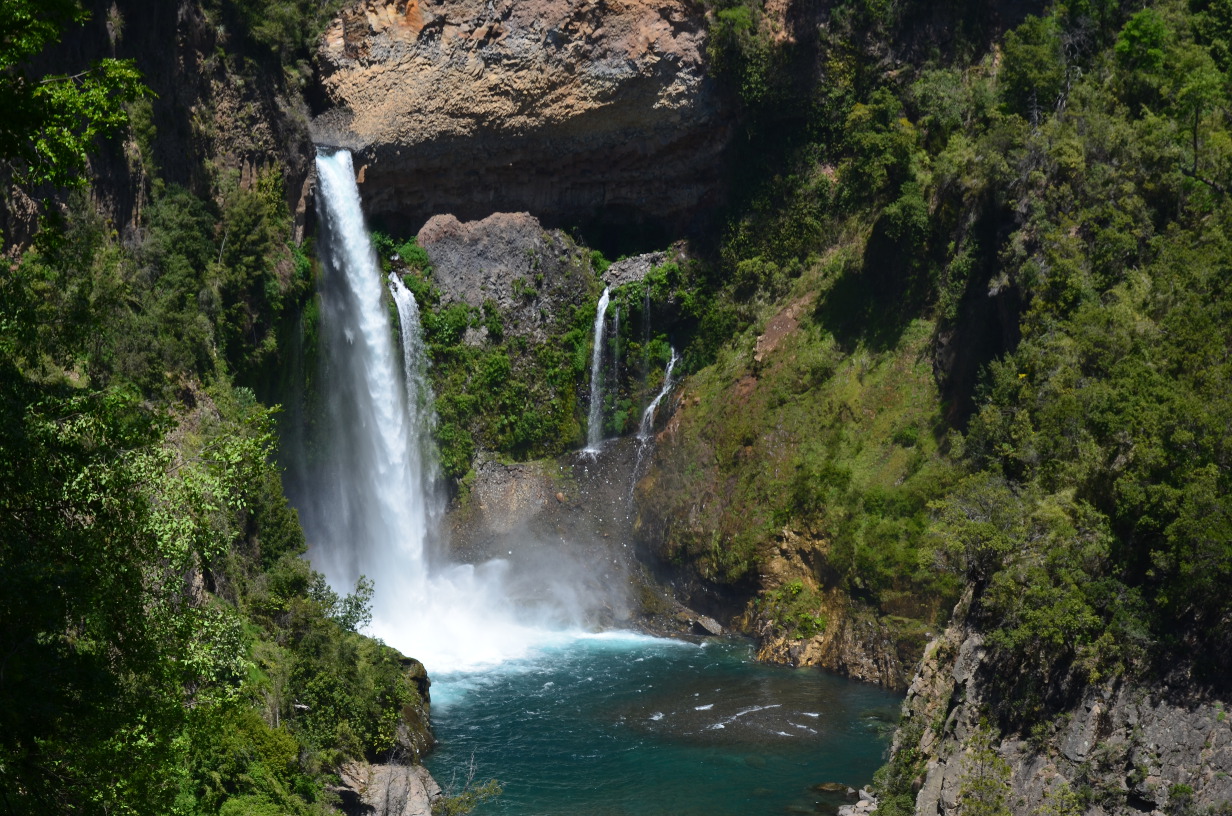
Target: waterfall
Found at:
594, 424
366, 497
371, 491
419, 398
646, 429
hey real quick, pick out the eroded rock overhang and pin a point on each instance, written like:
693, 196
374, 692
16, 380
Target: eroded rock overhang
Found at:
581, 112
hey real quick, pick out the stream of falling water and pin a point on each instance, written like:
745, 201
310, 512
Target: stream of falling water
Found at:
594, 422
571, 721
368, 507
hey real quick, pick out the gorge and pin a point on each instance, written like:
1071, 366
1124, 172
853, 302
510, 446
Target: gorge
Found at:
485, 630
910, 375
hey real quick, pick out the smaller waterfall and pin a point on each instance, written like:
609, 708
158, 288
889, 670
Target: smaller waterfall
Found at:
420, 400
646, 429
594, 425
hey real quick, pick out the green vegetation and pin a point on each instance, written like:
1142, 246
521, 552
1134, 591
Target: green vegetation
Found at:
986, 781
514, 393
1037, 220
894, 780
51, 121
967, 322
649, 310
797, 610
166, 647
465, 801
1070, 195
845, 447
1101, 438
283, 32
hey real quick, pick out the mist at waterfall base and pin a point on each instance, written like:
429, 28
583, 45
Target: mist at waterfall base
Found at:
568, 719
624, 725
365, 483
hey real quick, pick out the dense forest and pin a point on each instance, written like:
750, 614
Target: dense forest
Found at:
1005, 238
166, 647
1050, 203
1071, 182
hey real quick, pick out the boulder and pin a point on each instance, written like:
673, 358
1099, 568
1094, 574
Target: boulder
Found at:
386, 790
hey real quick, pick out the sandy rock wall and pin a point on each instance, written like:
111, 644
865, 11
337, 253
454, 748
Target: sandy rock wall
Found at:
572, 110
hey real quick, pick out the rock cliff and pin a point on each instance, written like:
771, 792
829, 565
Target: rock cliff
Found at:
534, 277
214, 117
574, 110
854, 644
1120, 747
386, 790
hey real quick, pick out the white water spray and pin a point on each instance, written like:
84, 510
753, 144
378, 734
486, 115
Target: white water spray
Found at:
370, 492
368, 507
646, 428
594, 422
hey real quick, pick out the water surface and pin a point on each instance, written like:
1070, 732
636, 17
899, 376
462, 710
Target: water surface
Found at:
617, 725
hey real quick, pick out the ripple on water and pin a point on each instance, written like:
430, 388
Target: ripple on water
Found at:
621, 724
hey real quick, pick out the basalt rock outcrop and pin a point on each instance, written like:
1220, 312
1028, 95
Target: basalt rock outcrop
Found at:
854, 644
574, 110
386, 790
568, 519
631, 270
533, 277
1122, 747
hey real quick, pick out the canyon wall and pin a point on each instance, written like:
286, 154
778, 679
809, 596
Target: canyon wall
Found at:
1117, 746
578, 111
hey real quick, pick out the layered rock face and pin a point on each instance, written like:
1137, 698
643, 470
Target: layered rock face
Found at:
1124, 748
574, 110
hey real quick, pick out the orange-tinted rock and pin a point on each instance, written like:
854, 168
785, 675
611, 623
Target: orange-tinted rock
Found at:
570, 110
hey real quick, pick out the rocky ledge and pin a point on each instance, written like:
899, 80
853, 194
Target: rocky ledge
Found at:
534, 277
574, 110
1123, 747
386, 790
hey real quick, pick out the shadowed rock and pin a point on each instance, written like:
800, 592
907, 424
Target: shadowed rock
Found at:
573, 111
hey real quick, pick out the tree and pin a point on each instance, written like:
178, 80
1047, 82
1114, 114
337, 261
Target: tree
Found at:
1032, 74
987, 780
50, 122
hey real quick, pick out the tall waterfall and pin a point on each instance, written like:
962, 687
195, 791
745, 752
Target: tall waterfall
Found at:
594, 422
366, 502
371, 491
646, 428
